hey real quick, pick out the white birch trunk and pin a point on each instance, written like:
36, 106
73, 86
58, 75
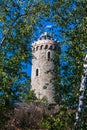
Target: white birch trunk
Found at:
82, 95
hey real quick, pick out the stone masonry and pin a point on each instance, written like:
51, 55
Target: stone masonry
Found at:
42, 66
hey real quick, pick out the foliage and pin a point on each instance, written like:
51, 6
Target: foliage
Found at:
30, 96
27, 116
61, 120
70, 16
17, 24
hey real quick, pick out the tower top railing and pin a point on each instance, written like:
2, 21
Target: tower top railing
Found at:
45, 35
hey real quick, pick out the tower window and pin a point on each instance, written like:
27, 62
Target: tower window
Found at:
33, 50
46, 46
37, 71
50, 48
37, 48
41, 47
48, 55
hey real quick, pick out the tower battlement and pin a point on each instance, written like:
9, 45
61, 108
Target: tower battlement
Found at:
45, 44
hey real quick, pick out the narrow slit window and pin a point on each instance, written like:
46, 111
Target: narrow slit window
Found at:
48, 55
37, 71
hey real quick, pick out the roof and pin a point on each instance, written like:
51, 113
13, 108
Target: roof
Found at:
44, 39
45, 35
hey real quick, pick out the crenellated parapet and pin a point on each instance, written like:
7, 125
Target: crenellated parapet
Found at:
45, 44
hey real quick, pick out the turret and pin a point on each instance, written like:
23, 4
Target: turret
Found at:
42, 67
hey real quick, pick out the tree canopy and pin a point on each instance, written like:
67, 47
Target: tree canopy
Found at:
18, 21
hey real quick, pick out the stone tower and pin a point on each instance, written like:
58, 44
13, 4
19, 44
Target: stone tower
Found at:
42, 66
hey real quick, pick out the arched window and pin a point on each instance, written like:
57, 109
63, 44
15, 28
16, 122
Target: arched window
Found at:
41, 47
37, 48
50, 47
33, 50
46, 46
37, 72
48, 56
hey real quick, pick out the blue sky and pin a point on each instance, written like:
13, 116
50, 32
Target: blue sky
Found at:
54, 30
